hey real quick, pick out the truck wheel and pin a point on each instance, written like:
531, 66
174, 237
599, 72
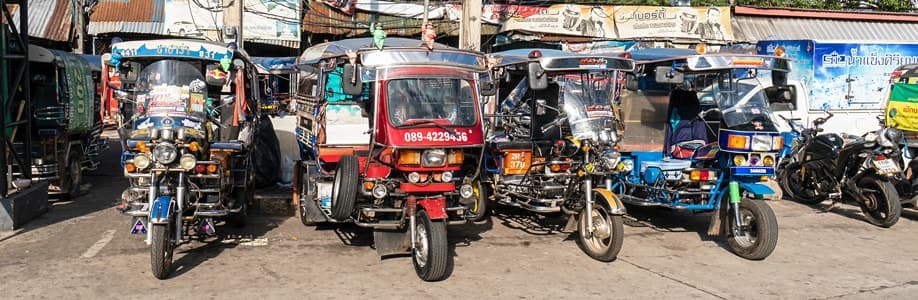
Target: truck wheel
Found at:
431, 255
344, 191
759, 229
161, 252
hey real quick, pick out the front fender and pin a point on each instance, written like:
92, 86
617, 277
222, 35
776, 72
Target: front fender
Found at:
757, 189
615, 204
161, 210
436, 208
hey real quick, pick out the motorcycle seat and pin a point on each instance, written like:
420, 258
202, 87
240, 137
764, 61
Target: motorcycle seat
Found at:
231, 145
522, 145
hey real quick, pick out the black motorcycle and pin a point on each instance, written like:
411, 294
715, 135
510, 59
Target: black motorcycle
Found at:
865, 169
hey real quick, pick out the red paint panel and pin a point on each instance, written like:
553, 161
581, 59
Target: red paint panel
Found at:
378, 171
436, 208
427, 187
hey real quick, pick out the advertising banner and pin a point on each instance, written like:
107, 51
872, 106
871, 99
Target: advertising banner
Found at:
263, 19
707, 23
578, 20
902, 109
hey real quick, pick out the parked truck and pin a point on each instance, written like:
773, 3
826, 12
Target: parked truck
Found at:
848, 78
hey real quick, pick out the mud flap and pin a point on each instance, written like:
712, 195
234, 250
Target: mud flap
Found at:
391, 242
313, 213
571, 225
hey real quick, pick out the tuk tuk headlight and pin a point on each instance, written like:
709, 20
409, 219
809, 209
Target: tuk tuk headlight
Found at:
610, 159
188, 162
433, 158
165, 153
141, 161
761, 143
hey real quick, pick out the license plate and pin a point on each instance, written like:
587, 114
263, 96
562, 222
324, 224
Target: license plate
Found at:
886, 166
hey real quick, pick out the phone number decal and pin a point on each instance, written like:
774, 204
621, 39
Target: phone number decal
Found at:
436, 137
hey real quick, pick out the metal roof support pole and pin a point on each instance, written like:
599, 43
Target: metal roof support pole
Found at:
15, 80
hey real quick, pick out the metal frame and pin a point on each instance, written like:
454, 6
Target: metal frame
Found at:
15, 87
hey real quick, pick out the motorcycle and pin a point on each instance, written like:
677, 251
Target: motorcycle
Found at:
187, 158
555, 151
865, 169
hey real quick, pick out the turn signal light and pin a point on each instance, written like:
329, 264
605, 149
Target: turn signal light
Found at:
455, 157
194, 147
211, 168
702, 175
738, 142
142, 146
409, 157
130, 168
368, 185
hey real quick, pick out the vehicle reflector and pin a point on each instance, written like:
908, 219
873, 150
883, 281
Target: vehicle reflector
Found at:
212, 168
200, 169
409, 157
738, 142
130, 168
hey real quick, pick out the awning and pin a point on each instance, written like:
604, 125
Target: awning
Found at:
752, 28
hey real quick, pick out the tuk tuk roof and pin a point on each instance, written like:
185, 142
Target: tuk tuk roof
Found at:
557, 60
694, 62
396, 51
45, 55
186, 48
275, 65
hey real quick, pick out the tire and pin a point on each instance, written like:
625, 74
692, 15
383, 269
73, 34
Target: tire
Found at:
238, 220
883, 206
430, 257
606, 240
344, 192
479, 210
161, 252
797, 188
761, 233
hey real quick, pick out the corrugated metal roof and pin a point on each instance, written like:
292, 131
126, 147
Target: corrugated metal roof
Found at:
755, 28
48, 19
127, 11
128, 27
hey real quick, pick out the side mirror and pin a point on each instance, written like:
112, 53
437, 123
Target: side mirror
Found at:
238, 64
538, 80
666, 74
215, 75
351, 82
631, 82
130, 71
487, 88
540, 107
782, 94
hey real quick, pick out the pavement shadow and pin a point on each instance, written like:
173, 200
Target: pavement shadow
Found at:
530, 222
671, 221
200, 249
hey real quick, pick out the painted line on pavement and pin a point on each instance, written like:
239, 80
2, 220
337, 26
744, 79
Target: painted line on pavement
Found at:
95, 248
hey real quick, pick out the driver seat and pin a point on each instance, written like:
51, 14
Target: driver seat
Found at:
685, 132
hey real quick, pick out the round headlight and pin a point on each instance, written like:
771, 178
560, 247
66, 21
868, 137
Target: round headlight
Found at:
610, 159
188, 162
167, 134
380, 191
414, 177
447, 176
434, 158
739, 160
465, 191
768, 161
164, 153
141, 161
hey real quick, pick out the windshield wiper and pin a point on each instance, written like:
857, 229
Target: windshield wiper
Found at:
431, 122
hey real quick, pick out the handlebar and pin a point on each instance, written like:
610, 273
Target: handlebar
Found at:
545, 128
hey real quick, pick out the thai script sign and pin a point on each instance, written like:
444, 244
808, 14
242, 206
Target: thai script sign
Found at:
706, 23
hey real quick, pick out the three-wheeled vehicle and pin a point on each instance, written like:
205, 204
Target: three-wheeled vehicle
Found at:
276, 78
66, 127
551, 145
188, 115
391, 137
691, 144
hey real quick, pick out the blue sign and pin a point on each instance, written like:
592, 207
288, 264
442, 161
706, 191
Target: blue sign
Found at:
843, 75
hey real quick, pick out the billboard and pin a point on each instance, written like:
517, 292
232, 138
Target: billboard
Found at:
262, 19
567, 19
707, 23
844, 75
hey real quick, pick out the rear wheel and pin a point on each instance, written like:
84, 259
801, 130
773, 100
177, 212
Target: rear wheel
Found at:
882, 206
604, 241
797, 183
479, 209
759, 230
344, 192
161, 252
430, 256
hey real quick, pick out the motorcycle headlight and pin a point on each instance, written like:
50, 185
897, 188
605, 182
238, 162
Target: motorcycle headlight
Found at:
164, 153
610, 159
434, 158
761, 143
141, 161
188, 162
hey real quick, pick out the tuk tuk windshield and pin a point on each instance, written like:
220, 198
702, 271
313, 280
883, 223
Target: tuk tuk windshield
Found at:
588, 103
171, 87
740, 108
444, 101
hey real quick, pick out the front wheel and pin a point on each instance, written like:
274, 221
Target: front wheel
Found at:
882, 206
344, 191
758, 232
796, 183
604, 241
161, 253
430, 255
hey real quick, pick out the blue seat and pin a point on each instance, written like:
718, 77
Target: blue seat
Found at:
231, 145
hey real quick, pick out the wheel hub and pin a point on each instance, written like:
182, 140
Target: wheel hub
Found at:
601, 228
420, 246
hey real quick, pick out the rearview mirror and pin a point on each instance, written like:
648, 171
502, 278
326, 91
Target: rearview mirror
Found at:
215, 75
238, 63
487, 88
666, 74
538, 80
782, 94
351, 82
631, 82
130, 71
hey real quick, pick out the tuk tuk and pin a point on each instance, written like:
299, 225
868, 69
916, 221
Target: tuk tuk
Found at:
276, 78
391, 139
66, 129
188, 117
551, 146
693, 142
